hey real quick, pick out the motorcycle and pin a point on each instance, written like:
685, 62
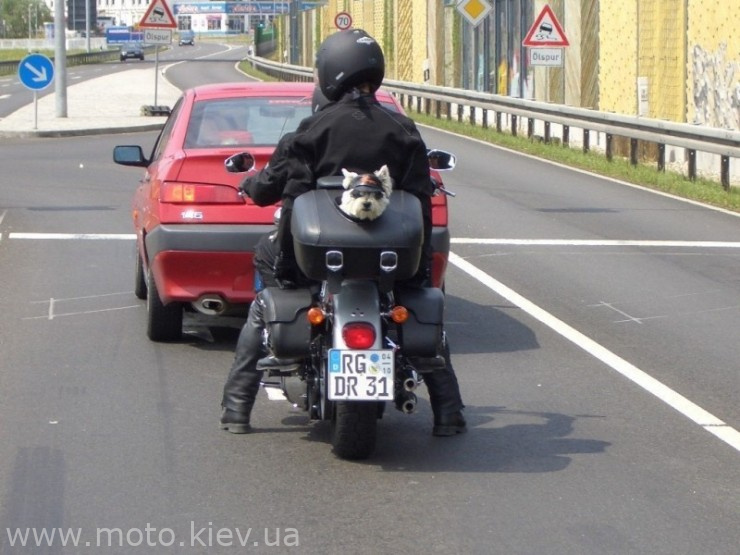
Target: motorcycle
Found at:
360, 338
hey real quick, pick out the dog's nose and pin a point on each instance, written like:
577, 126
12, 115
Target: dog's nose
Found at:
367, 205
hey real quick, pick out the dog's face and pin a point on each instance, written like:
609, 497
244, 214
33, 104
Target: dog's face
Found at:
366, 195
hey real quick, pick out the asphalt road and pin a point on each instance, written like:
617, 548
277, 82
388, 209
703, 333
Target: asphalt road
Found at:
556, 327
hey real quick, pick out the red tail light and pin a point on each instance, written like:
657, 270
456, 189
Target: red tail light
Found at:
359, 335
194, 193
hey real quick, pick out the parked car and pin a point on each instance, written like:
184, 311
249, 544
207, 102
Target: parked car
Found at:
132, 50
195, 233
187, 37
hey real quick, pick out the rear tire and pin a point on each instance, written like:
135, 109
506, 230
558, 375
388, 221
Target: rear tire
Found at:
164, 322
354, 429
139, 279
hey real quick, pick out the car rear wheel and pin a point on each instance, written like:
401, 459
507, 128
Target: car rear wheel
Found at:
164, 322
139, 279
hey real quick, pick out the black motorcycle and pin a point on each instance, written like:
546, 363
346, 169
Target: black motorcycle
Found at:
342, 349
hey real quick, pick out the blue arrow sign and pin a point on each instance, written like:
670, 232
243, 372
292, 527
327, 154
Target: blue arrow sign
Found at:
36, 71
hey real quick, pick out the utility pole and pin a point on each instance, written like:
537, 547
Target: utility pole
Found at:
60, 60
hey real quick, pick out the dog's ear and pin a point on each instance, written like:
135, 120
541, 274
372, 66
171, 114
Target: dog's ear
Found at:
385, 178
348, 177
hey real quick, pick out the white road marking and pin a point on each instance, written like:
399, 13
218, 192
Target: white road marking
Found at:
275, 393
93, 236
694, 412
51, 316
588, 173
83, 297
596, 243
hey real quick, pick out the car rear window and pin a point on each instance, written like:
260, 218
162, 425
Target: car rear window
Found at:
244, 121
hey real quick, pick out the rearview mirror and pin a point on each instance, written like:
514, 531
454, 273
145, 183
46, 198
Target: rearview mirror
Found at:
239, 163
129, 155
441, 160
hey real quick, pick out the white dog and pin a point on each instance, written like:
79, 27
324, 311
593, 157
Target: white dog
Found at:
366, 195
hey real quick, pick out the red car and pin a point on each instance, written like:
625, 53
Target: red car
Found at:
195, 233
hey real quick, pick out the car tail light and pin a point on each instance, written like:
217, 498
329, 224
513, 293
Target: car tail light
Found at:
194, 193
358, 335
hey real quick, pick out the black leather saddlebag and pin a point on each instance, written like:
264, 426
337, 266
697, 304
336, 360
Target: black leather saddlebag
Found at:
288, 330
421, 334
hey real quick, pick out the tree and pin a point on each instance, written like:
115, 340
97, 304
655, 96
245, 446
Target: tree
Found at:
14, 17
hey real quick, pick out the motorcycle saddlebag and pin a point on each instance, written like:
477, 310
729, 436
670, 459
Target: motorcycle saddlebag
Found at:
421, 334
319, 226
288, 329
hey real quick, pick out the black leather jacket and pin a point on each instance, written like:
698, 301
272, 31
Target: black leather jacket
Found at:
355, 133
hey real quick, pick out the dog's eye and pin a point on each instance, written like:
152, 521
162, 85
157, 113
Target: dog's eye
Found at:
378, 195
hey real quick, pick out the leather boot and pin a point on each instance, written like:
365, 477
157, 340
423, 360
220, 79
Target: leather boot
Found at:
243, 383
444, 396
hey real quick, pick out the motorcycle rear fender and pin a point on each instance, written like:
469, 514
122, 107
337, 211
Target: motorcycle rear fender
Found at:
421, 334
288, 329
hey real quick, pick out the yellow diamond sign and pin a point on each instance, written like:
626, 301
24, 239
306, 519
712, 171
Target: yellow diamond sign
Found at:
474, 11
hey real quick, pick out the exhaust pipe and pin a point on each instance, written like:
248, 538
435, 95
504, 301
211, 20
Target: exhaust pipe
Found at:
407, 403
410, 384
210, 305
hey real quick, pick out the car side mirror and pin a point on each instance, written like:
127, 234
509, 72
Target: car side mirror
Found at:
441, 159
239, 163
129, 155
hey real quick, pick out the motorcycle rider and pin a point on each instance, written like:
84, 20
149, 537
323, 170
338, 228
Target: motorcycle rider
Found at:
354, 132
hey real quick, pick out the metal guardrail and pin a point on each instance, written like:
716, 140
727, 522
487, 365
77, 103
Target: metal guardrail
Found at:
95, 57
440, 100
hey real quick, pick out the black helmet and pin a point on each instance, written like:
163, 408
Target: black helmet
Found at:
346, 59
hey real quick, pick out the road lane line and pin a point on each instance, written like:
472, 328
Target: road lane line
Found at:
595, 243
694, 412
93, 236
84, 312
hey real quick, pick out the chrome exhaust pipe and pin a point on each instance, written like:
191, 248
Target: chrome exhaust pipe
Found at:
210, 305
410, 384
407, 404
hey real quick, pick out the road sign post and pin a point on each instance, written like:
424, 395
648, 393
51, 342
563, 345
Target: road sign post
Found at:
157, 23
36, 72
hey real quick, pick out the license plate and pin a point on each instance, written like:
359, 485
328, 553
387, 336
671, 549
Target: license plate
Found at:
361, 375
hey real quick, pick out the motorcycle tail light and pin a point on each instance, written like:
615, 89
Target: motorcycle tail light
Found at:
358, 335
194, 193
399, 314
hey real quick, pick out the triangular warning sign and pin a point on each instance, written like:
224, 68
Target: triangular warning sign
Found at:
546, 31
158, 15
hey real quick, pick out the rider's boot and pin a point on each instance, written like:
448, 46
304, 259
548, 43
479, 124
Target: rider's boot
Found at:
444, 396
243, 383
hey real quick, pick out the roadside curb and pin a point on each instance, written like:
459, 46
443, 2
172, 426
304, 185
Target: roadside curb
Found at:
80, 132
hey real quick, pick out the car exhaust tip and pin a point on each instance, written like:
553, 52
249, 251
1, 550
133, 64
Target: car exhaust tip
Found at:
210, 305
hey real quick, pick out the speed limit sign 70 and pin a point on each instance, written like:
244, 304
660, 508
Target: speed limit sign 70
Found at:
343, 21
